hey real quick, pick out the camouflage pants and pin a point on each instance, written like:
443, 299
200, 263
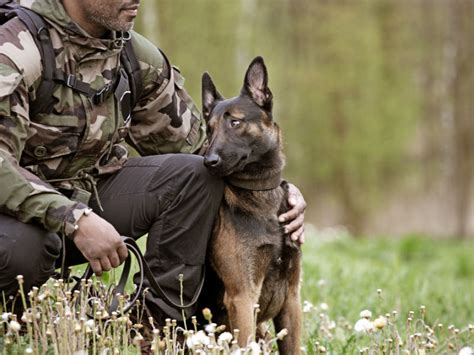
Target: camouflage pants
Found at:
171, 197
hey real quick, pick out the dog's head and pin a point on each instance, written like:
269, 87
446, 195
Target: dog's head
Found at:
240, 130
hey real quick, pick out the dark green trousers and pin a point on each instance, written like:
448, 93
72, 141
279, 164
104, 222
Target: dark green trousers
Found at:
171, 198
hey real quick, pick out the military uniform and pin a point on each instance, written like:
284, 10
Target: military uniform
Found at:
54, 164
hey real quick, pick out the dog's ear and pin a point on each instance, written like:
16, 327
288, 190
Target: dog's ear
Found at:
209, 95
256, 84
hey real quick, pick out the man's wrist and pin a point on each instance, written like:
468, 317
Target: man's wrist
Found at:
71, 226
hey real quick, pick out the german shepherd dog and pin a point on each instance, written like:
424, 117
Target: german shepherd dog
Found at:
256, 262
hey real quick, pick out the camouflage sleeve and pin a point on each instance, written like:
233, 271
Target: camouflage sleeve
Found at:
22, 194
165, 120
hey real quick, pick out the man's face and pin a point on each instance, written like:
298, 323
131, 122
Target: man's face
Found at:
116, 15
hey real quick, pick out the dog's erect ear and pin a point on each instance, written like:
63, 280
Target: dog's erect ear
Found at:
256, 84
209, 95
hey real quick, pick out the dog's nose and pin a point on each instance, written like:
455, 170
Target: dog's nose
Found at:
211, 160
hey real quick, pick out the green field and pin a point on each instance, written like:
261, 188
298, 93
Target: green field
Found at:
342, 277
385, 275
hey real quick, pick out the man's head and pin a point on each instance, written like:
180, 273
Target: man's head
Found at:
96, 17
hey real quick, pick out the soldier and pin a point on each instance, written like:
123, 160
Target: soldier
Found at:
68, 189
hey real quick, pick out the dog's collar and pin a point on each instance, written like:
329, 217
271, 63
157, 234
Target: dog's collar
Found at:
255, 185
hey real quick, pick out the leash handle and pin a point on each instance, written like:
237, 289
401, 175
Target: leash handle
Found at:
144, 271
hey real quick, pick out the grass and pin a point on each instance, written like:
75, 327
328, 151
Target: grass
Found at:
414, 283
434, 279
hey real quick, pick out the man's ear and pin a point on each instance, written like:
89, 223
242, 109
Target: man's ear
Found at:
209, 95
256, 84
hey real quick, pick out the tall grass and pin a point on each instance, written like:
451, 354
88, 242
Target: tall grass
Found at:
369, 296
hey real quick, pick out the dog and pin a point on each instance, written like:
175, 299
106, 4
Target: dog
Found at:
255, 261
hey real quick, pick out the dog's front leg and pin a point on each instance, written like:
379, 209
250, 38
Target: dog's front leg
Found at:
240, 309
290, 318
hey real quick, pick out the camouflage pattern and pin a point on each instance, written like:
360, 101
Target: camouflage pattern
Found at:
77, 142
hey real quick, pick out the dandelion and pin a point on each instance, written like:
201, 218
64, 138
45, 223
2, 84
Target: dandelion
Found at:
366, 314
324, 306
363, 325
467, 350
200, 338
254, 348
90, 324
15, 326
225, 337
307, 307
6, 316
380, 322
210, 328
321, 283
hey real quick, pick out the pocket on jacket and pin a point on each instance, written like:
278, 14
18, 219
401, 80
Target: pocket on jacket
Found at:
52, 136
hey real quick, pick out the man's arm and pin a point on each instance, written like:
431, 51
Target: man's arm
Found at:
23, 194
165, 120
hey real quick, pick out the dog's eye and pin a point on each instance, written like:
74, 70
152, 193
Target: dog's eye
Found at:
235, 123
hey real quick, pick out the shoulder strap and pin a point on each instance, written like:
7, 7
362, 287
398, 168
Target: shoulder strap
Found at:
132, 68
40, 33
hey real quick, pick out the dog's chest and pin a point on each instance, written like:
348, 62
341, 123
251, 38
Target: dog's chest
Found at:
261, 256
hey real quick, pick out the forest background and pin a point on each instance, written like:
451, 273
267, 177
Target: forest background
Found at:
375, 99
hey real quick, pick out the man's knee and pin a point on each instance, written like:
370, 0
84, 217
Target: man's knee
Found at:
196, 173
29, 251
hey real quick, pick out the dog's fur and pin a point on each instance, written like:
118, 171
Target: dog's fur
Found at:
250, 253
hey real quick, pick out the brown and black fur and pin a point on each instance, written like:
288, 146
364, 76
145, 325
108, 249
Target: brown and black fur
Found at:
254, 259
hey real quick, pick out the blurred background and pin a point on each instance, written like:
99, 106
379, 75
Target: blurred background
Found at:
375, 99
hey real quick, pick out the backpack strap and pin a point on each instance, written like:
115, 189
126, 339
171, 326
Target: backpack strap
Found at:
40, 33
131, 65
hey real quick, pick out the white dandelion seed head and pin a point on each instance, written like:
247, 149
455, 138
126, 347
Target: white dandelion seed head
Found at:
254, 348
6, 316
467, 350
324, 306
90, 324
363, 325
210, 328
366, 314
224, 337
307, 307
200, 338
14, 326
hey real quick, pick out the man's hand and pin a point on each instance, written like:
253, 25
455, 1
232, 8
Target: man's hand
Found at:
100, 243
294, 216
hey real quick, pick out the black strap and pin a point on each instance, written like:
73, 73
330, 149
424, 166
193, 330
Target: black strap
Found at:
131, 65
144, 271
40, 33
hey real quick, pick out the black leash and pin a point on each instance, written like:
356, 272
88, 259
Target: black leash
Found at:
144, 271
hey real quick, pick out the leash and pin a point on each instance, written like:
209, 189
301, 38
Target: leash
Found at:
144, 271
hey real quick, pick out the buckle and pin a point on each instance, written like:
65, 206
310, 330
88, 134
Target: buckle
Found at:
71, 81
43, 34
100, 96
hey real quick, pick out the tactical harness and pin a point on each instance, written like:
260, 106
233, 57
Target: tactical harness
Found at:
127, 87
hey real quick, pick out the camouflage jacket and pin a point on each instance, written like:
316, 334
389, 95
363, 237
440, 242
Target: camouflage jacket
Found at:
79, 140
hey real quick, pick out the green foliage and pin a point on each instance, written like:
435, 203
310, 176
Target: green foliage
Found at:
342, 73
